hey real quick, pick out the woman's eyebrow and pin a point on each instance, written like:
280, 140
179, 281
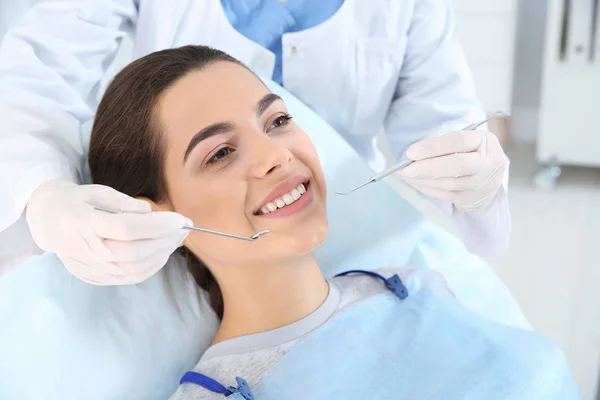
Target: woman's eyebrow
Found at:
265, 102
211, 130
225, 127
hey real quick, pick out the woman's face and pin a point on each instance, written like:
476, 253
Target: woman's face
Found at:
236, 163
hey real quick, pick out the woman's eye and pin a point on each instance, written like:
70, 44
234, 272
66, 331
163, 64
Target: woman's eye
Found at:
220, 155
280, 121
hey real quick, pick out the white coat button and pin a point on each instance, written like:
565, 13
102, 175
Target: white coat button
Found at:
294, 50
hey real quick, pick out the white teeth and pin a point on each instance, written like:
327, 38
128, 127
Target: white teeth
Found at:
288, 199
285, 200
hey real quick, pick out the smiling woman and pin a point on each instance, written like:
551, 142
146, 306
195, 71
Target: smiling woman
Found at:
217, 159
192, 130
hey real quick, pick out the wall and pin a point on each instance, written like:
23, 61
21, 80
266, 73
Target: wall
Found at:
486, 31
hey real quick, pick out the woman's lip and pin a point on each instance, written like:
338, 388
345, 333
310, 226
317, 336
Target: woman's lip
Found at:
304, 201
287, 186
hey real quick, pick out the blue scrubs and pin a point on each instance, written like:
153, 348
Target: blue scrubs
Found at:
265, 21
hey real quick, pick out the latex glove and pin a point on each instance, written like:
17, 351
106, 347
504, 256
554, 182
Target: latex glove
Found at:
98, 247
465, 168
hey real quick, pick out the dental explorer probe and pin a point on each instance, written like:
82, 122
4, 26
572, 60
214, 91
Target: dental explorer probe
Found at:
248, 239
406, 163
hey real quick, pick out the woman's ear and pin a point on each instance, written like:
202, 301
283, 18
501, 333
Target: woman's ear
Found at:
156, 206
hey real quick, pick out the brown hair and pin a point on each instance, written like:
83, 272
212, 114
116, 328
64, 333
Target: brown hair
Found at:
126, 147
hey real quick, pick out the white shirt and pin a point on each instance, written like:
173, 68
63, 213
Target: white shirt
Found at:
373, 64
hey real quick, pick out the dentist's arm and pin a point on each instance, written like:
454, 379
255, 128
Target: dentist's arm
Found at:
50, 70
466, 175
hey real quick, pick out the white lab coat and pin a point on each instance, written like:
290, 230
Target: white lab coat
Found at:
375, 63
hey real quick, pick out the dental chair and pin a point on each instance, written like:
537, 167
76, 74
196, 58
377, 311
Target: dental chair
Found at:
61, 338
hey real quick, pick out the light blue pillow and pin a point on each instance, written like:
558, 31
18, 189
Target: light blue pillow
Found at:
63, 339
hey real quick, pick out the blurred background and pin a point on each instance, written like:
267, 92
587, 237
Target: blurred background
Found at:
539, 61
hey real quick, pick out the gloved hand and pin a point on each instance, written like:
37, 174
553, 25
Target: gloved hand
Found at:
464, 167
98, 247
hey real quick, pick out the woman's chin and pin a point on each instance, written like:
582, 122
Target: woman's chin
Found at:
306, 240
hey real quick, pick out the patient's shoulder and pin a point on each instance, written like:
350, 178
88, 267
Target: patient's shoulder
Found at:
357, 288
406, 274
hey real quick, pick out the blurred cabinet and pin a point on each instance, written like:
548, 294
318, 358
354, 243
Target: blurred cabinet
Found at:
570, 86
557, 80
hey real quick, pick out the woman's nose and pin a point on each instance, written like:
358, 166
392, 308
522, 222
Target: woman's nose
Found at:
269, 156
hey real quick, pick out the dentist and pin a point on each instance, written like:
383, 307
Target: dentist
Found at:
361, 65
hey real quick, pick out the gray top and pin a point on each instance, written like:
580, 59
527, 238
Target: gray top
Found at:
276, 337
252, 356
